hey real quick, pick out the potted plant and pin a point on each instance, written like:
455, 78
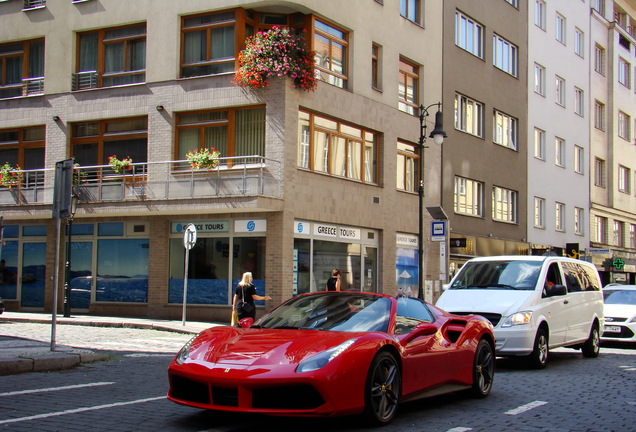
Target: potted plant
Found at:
276, 52
203, 158
119, 165
10, 176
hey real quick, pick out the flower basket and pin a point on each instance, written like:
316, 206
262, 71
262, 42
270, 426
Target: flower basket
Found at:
207, 159
119, 165
9, 176
276, 52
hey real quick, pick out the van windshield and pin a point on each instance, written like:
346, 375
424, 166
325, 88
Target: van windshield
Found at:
507, 275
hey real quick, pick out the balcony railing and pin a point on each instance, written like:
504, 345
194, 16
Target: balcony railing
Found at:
84, 80
168, 180
32, 86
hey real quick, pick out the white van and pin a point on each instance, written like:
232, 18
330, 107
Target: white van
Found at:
535, 303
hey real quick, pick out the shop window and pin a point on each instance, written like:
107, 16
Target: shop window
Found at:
122, 270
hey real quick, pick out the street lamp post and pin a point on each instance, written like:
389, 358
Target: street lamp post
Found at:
67, 267
438, 136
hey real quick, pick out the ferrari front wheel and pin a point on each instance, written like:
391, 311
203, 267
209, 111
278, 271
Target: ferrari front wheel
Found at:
483, 369
382, 390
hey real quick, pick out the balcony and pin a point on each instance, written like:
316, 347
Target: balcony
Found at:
244, 176
84, 80
32, 86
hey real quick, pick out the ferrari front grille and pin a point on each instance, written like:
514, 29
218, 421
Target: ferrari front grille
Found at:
299, 397
188, 390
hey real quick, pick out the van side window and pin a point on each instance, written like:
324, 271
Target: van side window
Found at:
579, 277
552, 277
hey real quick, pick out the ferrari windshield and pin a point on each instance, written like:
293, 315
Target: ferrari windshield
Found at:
507, 275
334, 311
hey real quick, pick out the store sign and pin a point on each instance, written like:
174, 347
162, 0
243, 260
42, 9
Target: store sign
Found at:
599, 251
301, 227
334, 231
201, 227
408, 240
250, 226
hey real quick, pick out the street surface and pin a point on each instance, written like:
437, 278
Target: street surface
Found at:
127, 393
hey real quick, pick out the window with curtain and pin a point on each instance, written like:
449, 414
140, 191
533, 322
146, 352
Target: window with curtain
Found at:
408, 87
336, 148
504, 204
111, 57
468, 197
21, 63
331, 46
209, 44
408, 162
232, 131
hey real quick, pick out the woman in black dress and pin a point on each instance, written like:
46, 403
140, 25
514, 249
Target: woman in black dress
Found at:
246, 292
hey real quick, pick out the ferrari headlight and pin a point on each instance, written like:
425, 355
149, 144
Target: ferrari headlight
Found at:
319, 360
183, 355
519, 318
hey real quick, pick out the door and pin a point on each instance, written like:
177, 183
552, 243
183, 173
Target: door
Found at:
554, 308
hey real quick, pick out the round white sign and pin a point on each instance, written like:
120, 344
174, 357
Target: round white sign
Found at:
189, 236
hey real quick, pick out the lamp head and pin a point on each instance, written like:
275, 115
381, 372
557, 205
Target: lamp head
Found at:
438, 133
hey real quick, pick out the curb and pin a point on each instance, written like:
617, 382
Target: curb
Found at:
47, 362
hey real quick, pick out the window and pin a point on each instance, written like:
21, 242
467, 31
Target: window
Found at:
232, 131
504, 205
111, 57
468, 197
632, 236
336, 148
599, 59
408, 86
624, 125
579, 43
93, 142
376, 66
599, 6
411, 10
560, 91
408, 160
579, 102
469, 35
515, 3
539, 144
599, 115
331, 46
624, 181
469, 115
539, 212
539, 79
579, 160
560, 30
24, 148
559, 217
505, 55
579, 221
539, 13
34, 4
599, 172
618, 233
208, 44
21, 68
505, 130
624, 73
559, 148
600, 229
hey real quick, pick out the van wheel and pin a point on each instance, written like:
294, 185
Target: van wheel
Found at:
539, 357
592, 345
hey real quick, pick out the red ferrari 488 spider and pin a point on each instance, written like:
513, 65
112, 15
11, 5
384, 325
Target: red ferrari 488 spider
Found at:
335, 353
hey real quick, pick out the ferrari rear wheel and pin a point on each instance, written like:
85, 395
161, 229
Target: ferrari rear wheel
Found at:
382, 391
483, 369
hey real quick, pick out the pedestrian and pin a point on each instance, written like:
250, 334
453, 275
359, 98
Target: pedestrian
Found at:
333, 283
244, 296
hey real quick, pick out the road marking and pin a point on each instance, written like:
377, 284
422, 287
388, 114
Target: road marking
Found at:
22, 392
526, 407
79, 410
459, 429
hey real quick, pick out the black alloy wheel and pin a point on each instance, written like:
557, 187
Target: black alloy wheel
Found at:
382, 390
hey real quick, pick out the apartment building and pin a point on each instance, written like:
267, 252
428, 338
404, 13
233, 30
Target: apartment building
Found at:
484, 159
306, 181
612, 124
558, 127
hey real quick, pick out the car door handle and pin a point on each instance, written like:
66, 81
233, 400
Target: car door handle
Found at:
566, 302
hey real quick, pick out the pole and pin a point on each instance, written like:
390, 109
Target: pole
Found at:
67, 270
56, 278
185, 287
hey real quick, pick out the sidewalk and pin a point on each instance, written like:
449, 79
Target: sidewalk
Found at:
26, 355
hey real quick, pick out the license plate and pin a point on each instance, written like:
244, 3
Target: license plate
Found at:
612, 329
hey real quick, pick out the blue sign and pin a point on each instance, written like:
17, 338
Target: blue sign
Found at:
438, 229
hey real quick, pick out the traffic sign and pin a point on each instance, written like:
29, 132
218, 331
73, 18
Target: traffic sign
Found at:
189, 236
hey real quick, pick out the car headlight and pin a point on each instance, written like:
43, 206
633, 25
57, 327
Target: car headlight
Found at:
184, 353
319, 360
519, 318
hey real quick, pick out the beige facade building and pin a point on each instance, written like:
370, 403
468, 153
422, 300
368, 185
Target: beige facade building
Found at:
306, 181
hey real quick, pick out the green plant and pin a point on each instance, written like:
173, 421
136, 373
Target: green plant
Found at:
119, 165
79, 176
10, 176
204, 158
276, 52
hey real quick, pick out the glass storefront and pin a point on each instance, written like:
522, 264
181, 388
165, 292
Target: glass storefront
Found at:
331, 247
